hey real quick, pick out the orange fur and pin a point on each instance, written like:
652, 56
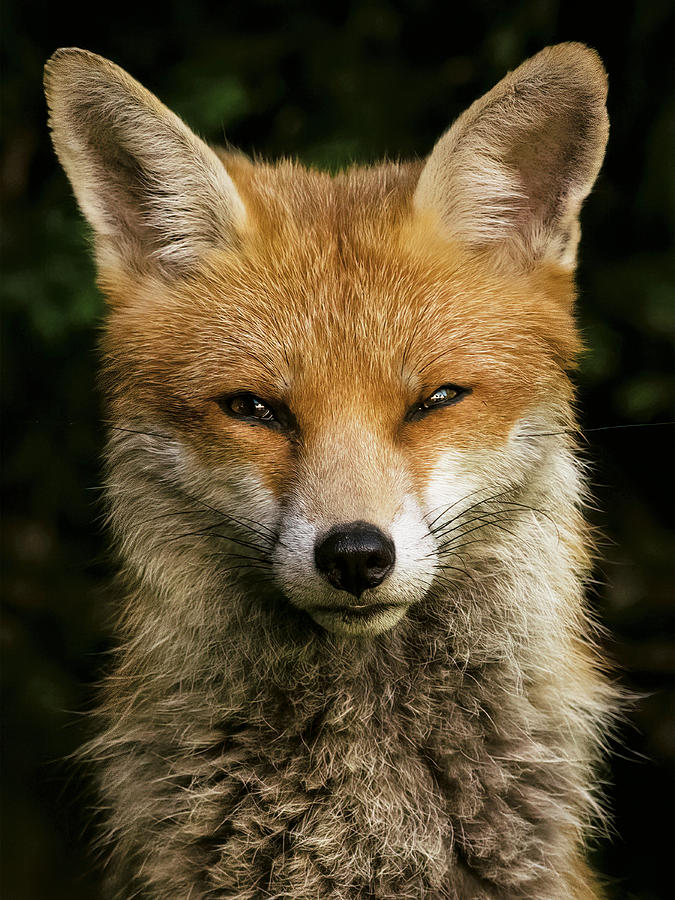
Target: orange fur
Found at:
508, 338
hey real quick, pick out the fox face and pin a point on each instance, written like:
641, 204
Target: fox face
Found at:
335, 392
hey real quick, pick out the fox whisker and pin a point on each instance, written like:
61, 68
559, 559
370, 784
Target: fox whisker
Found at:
492, 498
273, 537
460, 522
457, 502
447, 567
208, 533
484, 523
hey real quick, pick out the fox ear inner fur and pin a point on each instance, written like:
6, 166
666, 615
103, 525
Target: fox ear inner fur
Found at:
149, 187
513, 170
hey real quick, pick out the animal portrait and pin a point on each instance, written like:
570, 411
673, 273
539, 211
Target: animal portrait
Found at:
354, 656
337, 417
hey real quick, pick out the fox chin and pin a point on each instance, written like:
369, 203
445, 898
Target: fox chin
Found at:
354, 657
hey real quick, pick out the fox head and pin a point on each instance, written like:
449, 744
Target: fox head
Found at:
340, 392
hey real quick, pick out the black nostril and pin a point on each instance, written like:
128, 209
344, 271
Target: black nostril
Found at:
355, 557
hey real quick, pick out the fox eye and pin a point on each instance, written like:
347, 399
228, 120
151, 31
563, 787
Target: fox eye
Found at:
247, 406
445, 395
442, 396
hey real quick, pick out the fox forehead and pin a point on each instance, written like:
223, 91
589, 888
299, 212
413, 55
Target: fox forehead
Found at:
336, 281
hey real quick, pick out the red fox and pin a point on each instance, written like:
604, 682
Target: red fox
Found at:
354, 654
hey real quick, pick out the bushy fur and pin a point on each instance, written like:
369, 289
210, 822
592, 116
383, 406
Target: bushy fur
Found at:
248, 754
244, 751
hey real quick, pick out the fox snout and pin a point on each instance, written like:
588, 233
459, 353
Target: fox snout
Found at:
355, 557
354, 577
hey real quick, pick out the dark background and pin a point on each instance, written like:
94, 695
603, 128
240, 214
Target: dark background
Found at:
331, 83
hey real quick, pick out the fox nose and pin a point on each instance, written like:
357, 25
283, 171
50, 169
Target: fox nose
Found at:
355, 557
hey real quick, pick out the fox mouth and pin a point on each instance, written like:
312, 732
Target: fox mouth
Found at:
357, 618
358, 610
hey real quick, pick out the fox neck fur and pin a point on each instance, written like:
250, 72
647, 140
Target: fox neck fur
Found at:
451, 757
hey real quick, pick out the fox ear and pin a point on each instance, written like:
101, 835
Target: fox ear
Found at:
153, 192
512, 172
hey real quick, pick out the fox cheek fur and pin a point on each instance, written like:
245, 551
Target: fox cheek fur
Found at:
354, 657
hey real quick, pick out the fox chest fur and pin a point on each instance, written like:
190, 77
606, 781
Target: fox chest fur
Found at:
354, 658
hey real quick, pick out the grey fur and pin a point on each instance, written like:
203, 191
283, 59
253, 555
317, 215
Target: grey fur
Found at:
245, 753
